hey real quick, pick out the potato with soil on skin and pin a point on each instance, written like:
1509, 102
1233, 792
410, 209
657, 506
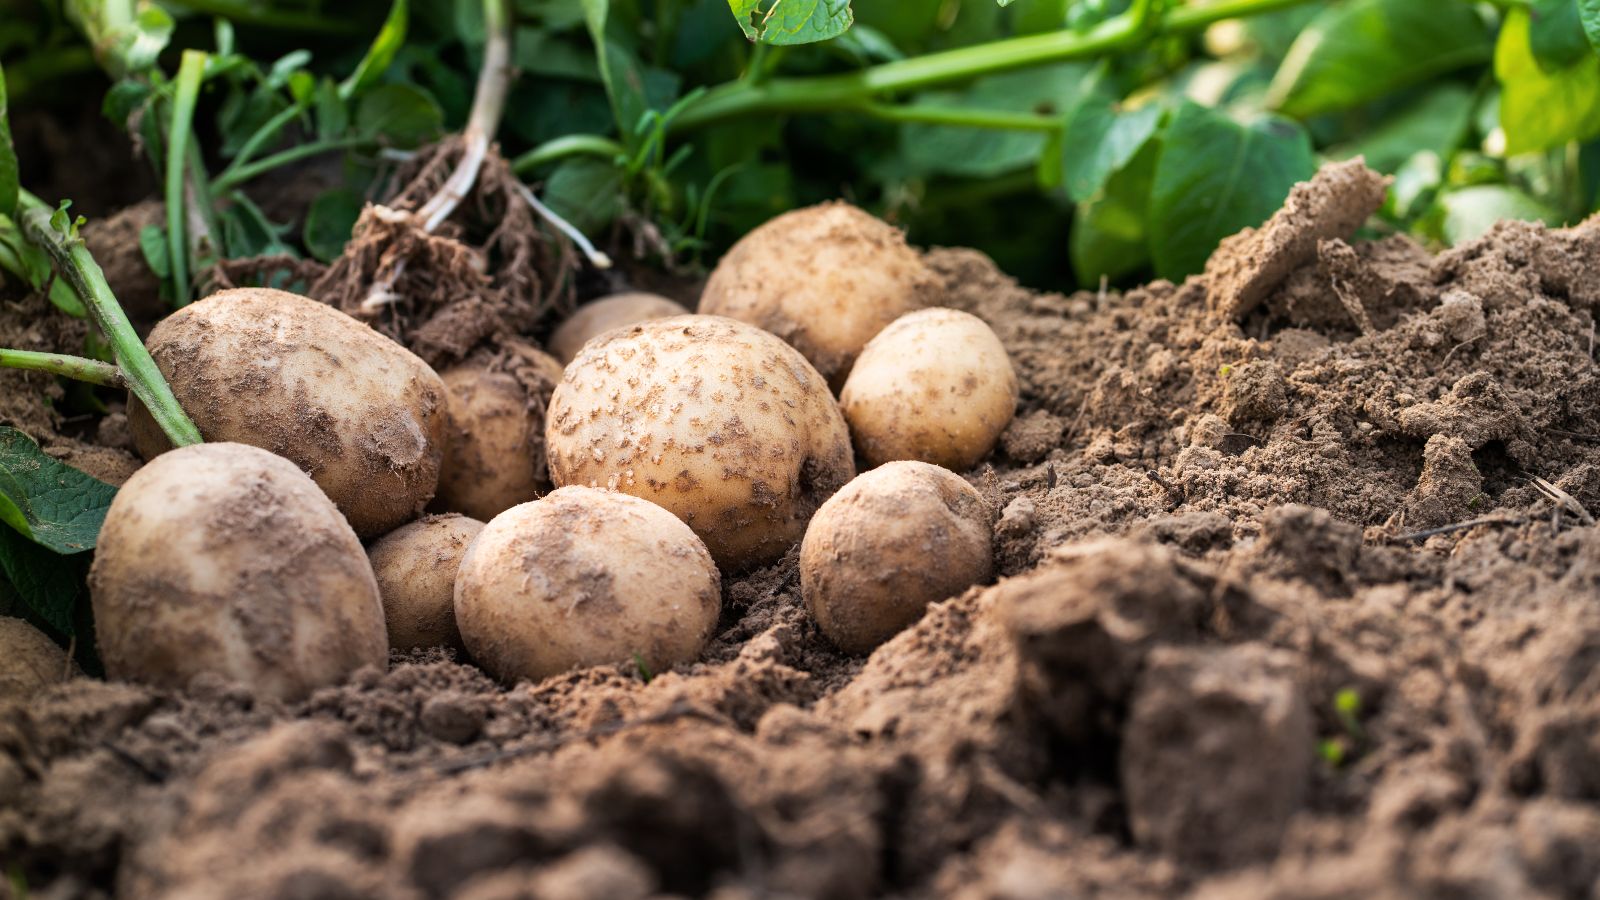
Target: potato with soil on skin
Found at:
889, 543
825, 278
296, 377
29, 661
416, 568
600, 316
716, 420
494, 443
225, 559
585, 577
936, 385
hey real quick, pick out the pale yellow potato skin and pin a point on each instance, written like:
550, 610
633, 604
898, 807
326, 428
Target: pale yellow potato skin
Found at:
585, 577
225, 559
416, 568
29, 661
494, 445
716, 420
894, 540
825, 278
358, 412
936, 385
615, 311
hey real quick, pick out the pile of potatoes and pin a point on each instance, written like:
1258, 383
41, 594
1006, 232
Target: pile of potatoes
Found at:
543, 513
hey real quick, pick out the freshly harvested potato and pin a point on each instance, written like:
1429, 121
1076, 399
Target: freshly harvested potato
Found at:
889, 543
583, 577
225, 559
494, 446
29, 661
936, 385
416, 569
718, 421
607, 313
282, 372
825, 278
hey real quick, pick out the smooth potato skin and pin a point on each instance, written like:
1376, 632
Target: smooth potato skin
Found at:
585, 577
29, 661
494, 444
228, 560
360, 413
936, 385
602, 315
889, 543
716, 420
416, 568
825, 278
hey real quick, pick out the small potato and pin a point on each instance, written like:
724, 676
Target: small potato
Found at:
584, 577
607, 313
825, 278
718, 421
416, 569
888, 544
29, 661
494, 446
282, 372
937, 385
225, 559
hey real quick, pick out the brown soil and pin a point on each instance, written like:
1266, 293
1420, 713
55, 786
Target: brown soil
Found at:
1225, 657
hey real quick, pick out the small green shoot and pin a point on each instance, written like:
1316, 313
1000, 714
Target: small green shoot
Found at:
644, 668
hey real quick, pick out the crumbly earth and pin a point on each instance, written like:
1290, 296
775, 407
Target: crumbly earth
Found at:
1241, 645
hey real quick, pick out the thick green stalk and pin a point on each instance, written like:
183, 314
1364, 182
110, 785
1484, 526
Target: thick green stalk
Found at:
966, 117
562, 147
190, 72
74, 367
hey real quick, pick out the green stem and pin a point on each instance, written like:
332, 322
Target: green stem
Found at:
562, 147
962, 116
190, 72
74, 367
263, 134
256, 14
73, 261
234, 176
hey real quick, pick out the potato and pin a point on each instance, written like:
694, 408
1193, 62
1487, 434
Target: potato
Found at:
225, 559
936, 385
607, 313
29, 661
282, 372
584, 577
416, 569
889, 543
494, 446
718, 421
825, 278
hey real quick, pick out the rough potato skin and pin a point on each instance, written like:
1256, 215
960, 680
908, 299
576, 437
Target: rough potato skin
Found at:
358, 412
585, 577
936, 385
825, 278
716, 420
494, 445
228, 560
607, 313
889, 543
416, 569
29, 661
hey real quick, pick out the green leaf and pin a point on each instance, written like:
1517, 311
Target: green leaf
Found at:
329, 222
22, 258
10, 180
1110, 235
1469, 212
792, 21
981, 152
1556, 34
382, 52
1101, 139
1539, 109
1437, 121
1360, 50
153, 246
585, 192
1216, 176
1589, 15
402, 114
46, 500
52, 585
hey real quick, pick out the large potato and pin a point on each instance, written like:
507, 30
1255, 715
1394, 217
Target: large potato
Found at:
888, 544
825, 278
416, 569
718, 421
282, 372
494, 446
602, 315
225, 559
584, 577
936, 385
29, 661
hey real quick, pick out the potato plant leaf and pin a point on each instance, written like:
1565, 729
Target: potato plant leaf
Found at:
1589, 15
9, 179
48, 501
403, 114
382, 52
1539, 109
792, 21
330, 221
1216, 176
1100, 138
1468, 212
47, 583
1556, 34
1110, 236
